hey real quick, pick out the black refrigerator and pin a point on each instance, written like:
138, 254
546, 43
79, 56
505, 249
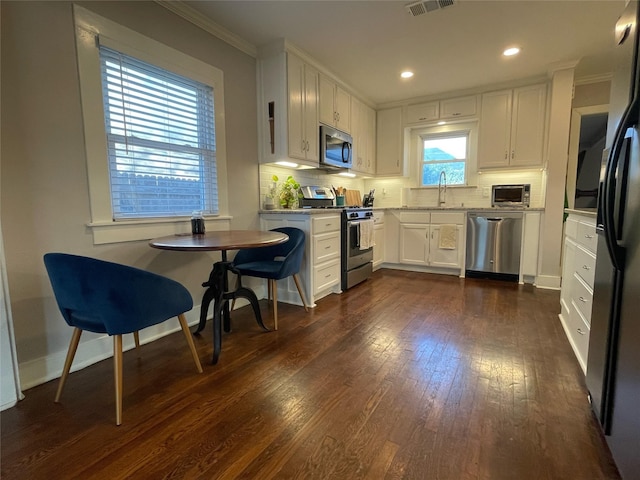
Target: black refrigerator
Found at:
613, 363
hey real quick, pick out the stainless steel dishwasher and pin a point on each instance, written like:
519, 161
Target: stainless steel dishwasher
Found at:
493, 244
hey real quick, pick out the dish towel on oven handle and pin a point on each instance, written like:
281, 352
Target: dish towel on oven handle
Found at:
448, 237
366, 234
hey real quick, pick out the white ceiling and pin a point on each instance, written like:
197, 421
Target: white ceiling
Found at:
367, 43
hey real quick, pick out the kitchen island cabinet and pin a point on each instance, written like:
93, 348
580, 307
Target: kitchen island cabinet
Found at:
320, 270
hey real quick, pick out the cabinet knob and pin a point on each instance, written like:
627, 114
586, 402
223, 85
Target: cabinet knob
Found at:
579, 330
583, 300
513, 154
588, 236
456, 114
586, 267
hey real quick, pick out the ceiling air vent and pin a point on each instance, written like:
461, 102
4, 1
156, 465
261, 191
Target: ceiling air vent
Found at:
420, 8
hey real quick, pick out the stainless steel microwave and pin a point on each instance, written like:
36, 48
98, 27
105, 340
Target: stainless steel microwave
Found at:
511, 195
335, 148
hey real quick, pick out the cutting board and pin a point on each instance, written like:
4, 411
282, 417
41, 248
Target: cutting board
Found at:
353, 198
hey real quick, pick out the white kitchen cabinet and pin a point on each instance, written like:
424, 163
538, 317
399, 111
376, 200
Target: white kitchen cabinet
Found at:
389, 138
450, 109
512, 125
303, 110
335, 105
378, 235
459, 107
320, 271
530, 244
414, 244
363, 133
288, 110
441, 257
423, 112
576, 293
420, 239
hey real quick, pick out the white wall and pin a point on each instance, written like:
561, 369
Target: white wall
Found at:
44, 190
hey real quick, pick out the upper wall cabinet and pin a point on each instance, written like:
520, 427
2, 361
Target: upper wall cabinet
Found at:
512, 125
288, 110
303, 111
335, 105
363, 131
442, 110
390, 142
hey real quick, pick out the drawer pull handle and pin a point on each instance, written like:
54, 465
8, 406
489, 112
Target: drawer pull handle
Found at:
586, 267
581, 332
583, 300
327, 247
327, 276
588, 236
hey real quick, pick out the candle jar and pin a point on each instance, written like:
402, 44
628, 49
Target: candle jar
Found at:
197, 223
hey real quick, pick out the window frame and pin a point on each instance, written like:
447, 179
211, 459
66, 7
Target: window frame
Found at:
442, 135
88, 26
416, 146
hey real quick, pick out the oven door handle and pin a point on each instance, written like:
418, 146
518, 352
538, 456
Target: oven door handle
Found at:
357, 225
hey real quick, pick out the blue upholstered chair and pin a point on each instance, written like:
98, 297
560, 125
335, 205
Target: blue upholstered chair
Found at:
275, 263
105, 297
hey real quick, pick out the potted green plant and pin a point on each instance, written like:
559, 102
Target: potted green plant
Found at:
289, 193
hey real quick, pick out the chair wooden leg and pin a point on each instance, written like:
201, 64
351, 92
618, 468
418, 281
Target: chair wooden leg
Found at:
192, 347
136, 339
73, 346
304, 301
274, 291
117, 375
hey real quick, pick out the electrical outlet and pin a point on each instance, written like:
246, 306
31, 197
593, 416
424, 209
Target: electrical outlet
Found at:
486, 191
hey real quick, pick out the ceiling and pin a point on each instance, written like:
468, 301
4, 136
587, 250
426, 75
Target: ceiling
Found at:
367, 43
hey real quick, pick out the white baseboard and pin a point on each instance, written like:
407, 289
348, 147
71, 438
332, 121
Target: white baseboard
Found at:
551, 282
41, 370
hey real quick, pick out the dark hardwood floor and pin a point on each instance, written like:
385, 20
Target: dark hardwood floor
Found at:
407, 375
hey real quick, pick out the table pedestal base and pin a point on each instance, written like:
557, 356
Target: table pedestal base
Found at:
217, 287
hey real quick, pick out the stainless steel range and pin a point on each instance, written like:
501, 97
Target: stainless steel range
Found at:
356, 233
357, 246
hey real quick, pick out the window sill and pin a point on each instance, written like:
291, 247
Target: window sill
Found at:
435, 187
145, 229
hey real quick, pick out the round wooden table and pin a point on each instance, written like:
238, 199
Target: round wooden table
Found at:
218, 285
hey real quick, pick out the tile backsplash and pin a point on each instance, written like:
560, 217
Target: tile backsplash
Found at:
305, 177
396, 192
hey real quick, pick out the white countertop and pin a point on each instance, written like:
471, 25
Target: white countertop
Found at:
327, 211
587, 212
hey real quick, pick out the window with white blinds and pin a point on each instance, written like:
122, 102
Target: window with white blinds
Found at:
160, 138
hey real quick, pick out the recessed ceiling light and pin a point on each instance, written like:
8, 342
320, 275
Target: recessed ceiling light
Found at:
511, 51
406, 74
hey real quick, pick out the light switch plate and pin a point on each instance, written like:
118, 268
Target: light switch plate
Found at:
486, 191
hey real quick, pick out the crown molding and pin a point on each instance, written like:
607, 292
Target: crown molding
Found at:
199, 20
589, 79
556, 67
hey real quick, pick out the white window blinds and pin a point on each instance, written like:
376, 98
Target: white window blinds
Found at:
161, 139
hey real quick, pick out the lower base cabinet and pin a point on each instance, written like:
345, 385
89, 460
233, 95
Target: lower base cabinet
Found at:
320, 271
378, 237
421, 239
576, 293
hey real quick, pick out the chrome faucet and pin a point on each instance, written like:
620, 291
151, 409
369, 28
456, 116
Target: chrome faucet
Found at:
442, 188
